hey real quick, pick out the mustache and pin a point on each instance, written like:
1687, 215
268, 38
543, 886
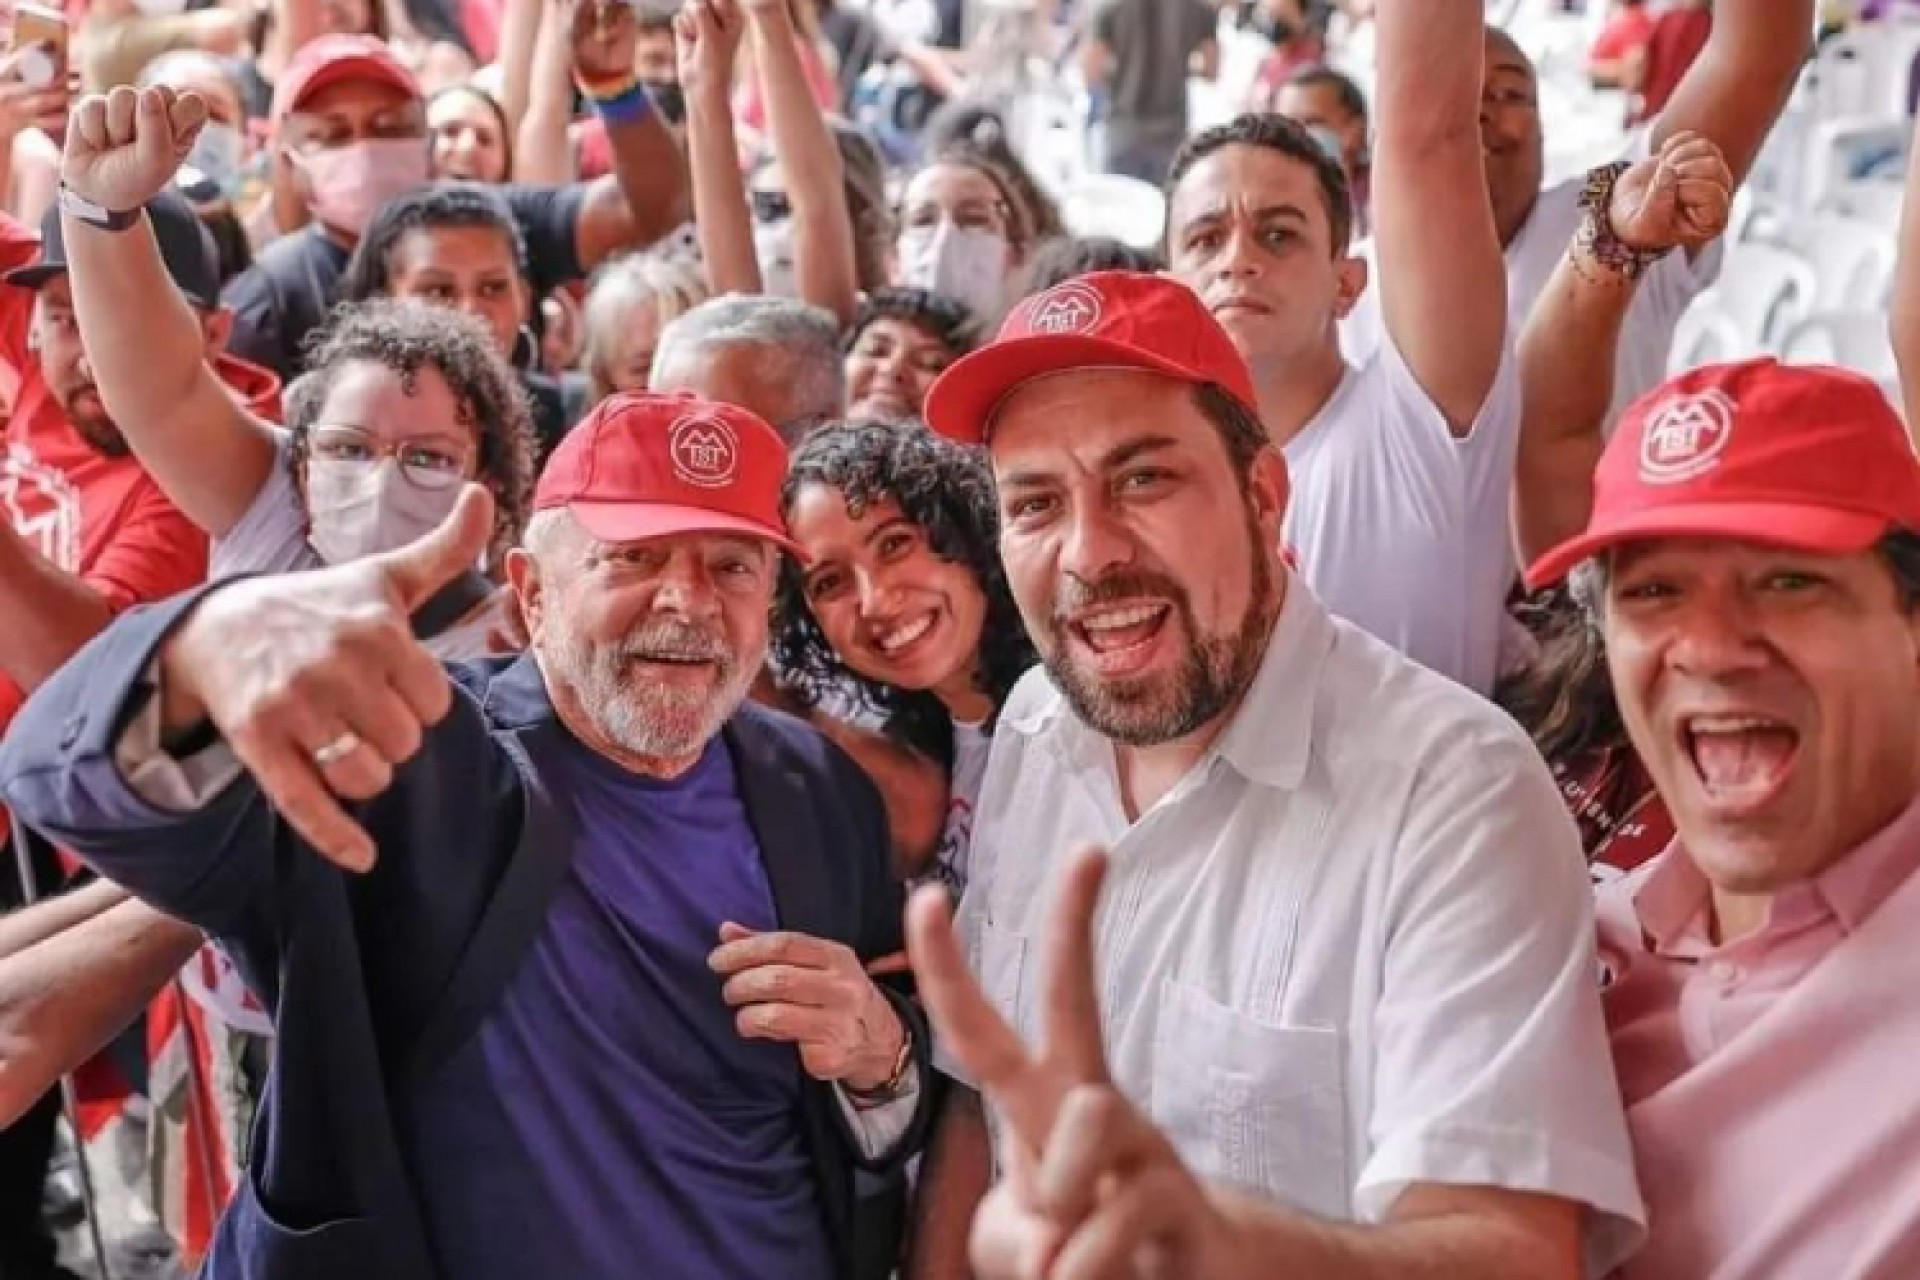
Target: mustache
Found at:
674, 640
1076, 594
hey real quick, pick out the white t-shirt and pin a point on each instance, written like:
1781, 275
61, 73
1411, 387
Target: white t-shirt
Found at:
1352, 950
1646, 340
1400, 527
970, 749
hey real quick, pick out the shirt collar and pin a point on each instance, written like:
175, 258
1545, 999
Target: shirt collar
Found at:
1673, 901
1270, 738
1855, 886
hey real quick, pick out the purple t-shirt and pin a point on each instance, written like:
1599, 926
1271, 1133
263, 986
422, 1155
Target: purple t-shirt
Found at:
607, 1119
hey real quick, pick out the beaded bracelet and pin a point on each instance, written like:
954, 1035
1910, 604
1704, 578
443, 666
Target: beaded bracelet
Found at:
1596, 226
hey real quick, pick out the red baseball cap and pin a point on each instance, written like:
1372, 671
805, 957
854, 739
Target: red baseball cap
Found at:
1107, 320
331, 59
1810, 458
648, 465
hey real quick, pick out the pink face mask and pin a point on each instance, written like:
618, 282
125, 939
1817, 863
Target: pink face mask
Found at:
347, 185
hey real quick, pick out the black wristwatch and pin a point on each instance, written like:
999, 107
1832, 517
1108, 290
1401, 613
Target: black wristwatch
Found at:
93, 215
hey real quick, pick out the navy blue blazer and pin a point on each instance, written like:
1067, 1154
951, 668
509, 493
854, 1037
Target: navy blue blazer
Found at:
374, 979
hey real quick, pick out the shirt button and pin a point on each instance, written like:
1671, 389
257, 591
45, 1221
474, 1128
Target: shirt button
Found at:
1722, 973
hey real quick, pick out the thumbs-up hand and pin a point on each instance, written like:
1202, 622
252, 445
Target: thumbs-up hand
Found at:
1092, 1190
124, 147
316, 681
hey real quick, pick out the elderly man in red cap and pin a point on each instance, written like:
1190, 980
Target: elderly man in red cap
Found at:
1347, 960
1753, 563
566, 957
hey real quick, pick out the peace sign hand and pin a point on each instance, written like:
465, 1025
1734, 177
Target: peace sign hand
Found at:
1093, 1191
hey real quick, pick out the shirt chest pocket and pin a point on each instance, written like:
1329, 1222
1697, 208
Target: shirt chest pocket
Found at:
1253, 1105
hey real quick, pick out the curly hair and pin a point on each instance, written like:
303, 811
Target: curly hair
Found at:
947, 491
946, 320
407, 337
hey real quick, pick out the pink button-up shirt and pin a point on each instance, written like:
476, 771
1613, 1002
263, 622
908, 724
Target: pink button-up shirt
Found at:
1773, 1084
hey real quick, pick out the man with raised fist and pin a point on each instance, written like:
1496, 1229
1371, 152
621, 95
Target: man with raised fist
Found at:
566, 958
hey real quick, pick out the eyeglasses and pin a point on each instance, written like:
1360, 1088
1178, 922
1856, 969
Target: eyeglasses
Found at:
770, 206
425, 465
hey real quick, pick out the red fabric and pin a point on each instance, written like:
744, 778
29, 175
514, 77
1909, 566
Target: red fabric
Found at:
179, 1045
750, 104
99, 517
480, 20
1112, 319
1626, 31
1623, 822
592, 148
1676, 40
643, 466
1804, 457
258, 388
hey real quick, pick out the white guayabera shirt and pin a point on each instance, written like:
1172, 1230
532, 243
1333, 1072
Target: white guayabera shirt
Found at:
1351, 951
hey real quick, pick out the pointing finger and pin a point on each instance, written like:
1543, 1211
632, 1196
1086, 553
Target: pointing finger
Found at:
969, 1026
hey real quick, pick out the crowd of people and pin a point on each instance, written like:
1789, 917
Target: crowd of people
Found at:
625, 657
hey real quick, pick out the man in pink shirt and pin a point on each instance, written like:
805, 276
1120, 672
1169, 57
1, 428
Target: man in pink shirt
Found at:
1753, 561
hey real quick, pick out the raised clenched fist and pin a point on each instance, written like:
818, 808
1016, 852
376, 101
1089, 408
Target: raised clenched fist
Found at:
1680, 198
124, 147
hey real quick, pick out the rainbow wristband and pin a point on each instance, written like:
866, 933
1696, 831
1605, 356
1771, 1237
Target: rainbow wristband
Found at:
619, 102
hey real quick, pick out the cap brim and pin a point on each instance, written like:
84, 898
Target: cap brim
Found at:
35, 275
962, 403
638, 521
1776, 524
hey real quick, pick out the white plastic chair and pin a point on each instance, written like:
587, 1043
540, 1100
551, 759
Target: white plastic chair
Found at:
1763, 289
1112, 204
1856, 340
1705, 336
1852, 259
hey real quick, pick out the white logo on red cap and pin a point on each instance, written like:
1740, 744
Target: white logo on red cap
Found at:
704, 450
1066, 308
1685, 437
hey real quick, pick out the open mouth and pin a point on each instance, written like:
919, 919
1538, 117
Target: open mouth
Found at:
1121, 638
1741, 761
895, 641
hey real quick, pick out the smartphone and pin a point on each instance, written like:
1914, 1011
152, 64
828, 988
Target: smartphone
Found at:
46, 28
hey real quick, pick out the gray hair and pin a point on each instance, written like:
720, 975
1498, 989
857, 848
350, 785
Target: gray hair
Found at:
671, 281
1587, 587
807, 337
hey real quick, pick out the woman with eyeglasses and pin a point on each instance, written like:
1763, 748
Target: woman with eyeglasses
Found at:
902, 608
900, 342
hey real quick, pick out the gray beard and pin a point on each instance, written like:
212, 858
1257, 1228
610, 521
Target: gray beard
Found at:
640, 717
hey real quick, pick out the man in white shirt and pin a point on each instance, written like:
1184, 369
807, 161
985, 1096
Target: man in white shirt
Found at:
1731, 96
1346, 957
1401, 466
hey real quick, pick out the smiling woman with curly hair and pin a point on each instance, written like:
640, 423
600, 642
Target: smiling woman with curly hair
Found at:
903, 604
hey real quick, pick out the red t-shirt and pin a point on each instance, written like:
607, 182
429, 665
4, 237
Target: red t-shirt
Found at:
101, 518
1625, 31
1622, 819
1676, 40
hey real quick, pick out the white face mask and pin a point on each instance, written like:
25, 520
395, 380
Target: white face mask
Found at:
966, 263
773, 247
358, 509
217, 153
